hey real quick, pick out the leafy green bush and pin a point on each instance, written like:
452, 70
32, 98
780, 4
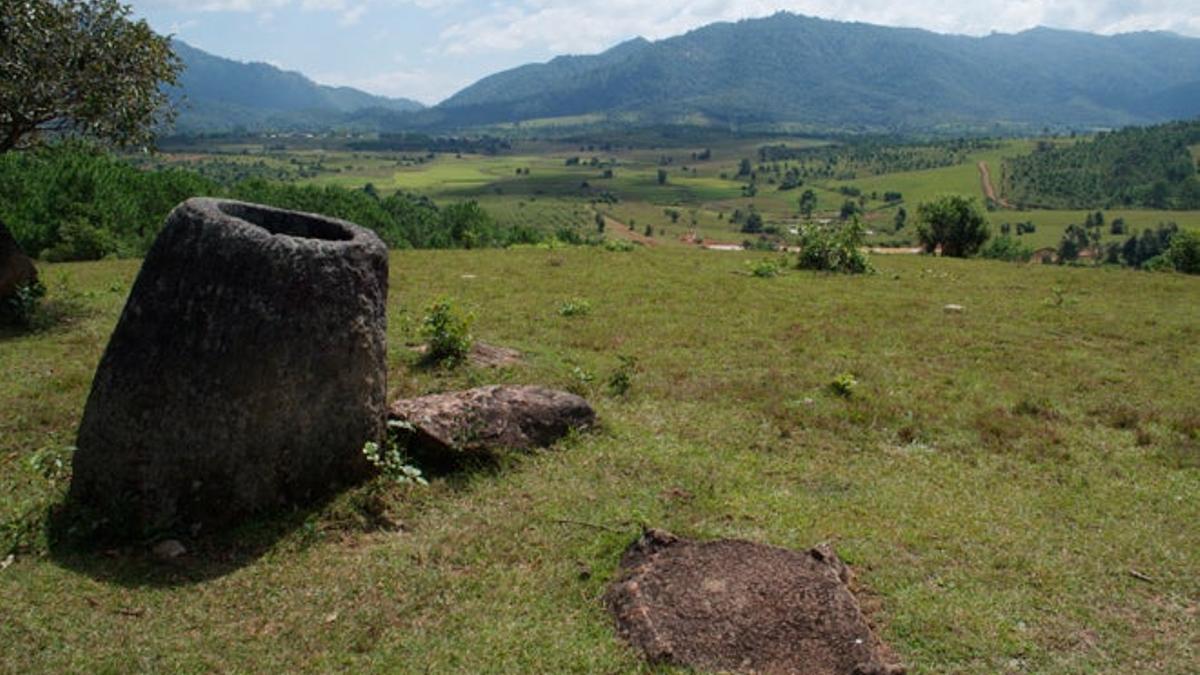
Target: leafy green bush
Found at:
83, 203
1007, 248
765, 269
618, 245
447, 332
836, 249
1184, 252
74, 202
952, 223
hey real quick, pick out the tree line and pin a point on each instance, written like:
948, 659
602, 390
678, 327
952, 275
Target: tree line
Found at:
75, 202
1151, 167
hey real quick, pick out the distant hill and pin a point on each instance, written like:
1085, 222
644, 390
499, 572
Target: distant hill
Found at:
852, 76
219, 94
1150, 167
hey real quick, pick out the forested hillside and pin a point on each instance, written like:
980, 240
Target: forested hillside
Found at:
217, 94
1144, 167
851, 76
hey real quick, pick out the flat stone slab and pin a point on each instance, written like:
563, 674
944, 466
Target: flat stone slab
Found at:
737, 606
493, 418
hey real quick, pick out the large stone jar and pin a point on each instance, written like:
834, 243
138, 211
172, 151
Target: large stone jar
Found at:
246, 372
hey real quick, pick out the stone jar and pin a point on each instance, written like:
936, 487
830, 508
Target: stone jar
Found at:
246, 372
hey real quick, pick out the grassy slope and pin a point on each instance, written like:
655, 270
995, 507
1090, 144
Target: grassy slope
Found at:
993, 480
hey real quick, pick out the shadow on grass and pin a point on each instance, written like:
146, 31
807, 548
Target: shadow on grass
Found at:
51, 316
74, 546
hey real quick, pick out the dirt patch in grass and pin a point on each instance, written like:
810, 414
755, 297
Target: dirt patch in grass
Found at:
737, 606
483, 355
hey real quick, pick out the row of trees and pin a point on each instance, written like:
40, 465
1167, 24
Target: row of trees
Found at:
75, 202
1138, 167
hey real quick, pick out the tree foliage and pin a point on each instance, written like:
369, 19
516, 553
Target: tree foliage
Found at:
80, 67
834, 249
1184, 252
74, 202
953, 223
1149, 167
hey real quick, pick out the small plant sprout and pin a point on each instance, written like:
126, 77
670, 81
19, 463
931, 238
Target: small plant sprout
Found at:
447, 332
574, 307
390, 460
843, 385
621, 380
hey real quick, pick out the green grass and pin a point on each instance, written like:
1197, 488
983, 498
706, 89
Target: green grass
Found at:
994, 480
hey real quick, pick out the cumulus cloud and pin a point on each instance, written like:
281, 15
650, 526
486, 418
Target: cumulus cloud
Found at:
423, 84
576, 26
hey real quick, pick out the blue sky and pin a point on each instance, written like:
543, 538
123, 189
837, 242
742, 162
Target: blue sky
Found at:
428, 49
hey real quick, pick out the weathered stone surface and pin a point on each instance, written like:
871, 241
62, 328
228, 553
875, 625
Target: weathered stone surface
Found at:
737, 606
489, 418
16, 269
246, 372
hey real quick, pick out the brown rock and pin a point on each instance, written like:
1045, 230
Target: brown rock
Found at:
490, 418
246, 372
737, 606
16, 269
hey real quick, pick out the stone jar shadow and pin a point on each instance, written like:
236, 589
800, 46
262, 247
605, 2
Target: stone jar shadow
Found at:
246, 372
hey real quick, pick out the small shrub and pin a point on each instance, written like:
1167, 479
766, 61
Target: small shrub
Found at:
581, 381
618, 245
390, 459
1007, 248
621, 380
447, 332
843, 385
574, 307
1184, 252
833, 249
19, 308
765, 269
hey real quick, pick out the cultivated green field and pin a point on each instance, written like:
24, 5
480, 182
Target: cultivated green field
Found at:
706, 191
1017, 487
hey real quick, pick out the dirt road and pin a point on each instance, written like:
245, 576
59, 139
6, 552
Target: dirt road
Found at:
985, 178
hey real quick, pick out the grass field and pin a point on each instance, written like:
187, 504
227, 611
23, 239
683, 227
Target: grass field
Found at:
1016, 487
707, 192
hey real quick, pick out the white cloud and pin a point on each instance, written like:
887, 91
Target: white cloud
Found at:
424, 85
352, 15
577, 26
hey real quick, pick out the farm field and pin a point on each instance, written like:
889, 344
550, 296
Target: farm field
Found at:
1016, 487
703, 193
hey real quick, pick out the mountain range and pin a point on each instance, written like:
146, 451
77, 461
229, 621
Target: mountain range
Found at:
783, 70
216, 94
